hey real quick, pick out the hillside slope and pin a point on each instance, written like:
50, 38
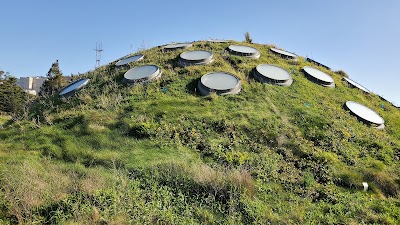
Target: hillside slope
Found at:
160, 153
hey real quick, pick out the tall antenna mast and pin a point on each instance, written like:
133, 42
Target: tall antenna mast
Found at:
98, 49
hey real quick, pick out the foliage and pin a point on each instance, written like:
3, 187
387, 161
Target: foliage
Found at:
248, 38
55, 81
342, 73
118, 154
12, 97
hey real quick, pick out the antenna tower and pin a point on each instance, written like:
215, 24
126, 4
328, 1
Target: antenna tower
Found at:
98, 49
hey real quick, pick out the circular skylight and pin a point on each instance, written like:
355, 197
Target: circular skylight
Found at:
273, 74
172, 47
364, 113
220, 82
319, 76
73, 87
129, 60
217, 40
196, 58
245, 51
142, 74
352, 83
283, 53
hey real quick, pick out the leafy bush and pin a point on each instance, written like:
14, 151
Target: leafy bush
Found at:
12, 97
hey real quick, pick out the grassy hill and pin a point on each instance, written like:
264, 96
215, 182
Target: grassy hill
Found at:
118, 154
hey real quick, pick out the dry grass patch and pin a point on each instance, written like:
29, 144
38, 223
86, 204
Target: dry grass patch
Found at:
26, 185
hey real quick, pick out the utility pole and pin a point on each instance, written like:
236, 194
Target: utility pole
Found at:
98, 49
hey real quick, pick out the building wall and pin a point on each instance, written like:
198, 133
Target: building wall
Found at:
25, 83
31, 84
37, 83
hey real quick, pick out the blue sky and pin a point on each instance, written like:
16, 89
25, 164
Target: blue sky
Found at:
359, 36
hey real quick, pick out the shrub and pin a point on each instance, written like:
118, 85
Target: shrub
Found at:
12, 97
248, 38
341, 73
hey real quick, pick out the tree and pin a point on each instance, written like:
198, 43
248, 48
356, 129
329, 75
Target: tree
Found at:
12, 97
248, 37
55, 81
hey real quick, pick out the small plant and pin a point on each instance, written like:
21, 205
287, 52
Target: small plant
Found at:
341, 73
248, 38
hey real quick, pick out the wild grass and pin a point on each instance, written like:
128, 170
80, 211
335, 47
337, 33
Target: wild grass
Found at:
4, 119
143, 154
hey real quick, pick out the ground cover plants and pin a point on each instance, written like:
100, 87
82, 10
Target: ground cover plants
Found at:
160, 153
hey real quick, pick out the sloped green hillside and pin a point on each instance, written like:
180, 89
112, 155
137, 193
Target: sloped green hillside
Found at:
162, 154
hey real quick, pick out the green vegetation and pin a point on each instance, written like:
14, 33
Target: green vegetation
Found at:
118, 154
12, 97
248, 38
55, 81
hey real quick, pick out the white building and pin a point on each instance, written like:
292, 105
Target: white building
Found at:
31, 85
